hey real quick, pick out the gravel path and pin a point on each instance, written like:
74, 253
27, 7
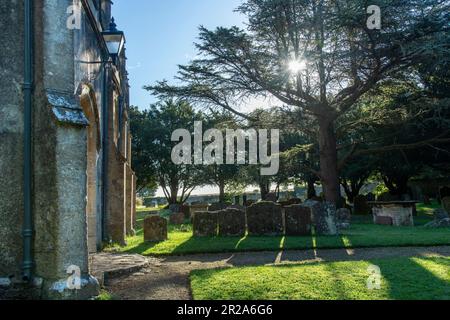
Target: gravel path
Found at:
168, 278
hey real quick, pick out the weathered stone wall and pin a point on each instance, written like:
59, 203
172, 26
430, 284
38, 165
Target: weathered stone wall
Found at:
68, 181
11, 136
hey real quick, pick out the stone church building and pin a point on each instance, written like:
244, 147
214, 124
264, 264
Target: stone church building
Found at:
66, 182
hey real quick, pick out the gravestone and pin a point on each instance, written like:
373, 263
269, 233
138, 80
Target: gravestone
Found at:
326, 222
298, 220
217, 207
177, 218
361, 206
231, 223
344, 215
265, 218
323, 217
446, 204
155, 229
205, 224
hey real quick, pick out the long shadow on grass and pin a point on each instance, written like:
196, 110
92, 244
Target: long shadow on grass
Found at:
408, 280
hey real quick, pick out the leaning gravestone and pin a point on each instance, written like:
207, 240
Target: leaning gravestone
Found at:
361, 206
298, 220
324, 217
265, 218
205, 224
155, 229
231, 222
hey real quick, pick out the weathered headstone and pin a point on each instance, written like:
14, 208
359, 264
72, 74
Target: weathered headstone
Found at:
298, 220
361, 206
155, 229
324, 217
205, 224
177, 218
217, 206
231, 222
446, 204
265, 218
326, 222
344, 215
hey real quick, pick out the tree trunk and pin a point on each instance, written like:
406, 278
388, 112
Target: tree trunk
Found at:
173, 193
222, 192
265, 190
312, 193
329, 160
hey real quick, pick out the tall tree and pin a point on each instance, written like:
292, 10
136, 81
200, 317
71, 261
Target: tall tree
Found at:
315, 55
152, 148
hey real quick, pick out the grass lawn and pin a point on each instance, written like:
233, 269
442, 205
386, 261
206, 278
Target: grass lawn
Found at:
402, 279
363, 233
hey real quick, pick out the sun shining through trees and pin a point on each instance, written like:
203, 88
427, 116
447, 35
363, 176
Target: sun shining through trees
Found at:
296, 66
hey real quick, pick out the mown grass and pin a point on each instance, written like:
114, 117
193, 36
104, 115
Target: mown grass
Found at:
402, 279
363, 233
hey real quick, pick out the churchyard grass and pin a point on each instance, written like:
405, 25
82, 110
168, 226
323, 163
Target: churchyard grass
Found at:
402, 279
363, 233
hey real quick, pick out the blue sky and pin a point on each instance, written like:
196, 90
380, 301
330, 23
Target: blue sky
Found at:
160, 35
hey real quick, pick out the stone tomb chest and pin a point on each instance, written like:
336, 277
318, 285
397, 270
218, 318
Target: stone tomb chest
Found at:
396, 213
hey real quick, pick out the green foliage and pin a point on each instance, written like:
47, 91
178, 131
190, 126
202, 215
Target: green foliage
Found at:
402, 279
